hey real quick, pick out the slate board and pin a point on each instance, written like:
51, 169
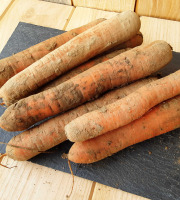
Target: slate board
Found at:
155, 176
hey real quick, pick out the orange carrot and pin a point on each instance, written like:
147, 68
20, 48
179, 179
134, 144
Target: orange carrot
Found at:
123, 111
51, 132
161, 119
82, 68
131, 43
86, 45
12, 65
120, 70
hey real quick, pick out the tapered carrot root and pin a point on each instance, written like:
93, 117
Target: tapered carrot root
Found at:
86, 45
120, 70
161, 119
123, 111
12, 65
51, 132
85, 66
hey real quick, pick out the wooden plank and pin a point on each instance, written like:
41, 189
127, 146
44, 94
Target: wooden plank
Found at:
30, 181
83, 16
166, 9
66, 2
4, 5
104, 192
161, 29
113, 5
46, 14
35, 12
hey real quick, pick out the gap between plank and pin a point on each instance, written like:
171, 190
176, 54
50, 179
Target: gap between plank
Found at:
69, 18
4, 12
92, 190
135, 4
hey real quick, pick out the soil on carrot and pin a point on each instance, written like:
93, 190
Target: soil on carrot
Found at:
51, 46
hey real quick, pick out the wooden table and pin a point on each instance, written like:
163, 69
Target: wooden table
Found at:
32, 181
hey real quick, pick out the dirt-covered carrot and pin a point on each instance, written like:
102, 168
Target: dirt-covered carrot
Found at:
131, 43
161, 119
123, 111
51, 132
122, 69
12, 65
82, 68
81, 48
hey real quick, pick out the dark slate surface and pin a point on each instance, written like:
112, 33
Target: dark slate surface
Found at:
150, 169
26, 35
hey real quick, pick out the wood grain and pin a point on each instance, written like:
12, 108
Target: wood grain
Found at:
104, 192
66, 2
30, 181
166, 9
35, 12
113, 5
46, 14
83, 16
161, 29
4, 6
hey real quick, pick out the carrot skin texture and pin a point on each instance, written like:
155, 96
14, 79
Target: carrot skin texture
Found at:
161, 119
74, 52
133, 42
51, 132
123, 111
87, 85
85, 66
12, 65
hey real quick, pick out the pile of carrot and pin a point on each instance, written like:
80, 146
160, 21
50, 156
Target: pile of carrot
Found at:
89, 78
51, 132
79, 49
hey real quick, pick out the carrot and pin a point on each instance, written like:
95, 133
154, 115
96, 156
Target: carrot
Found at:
86, 45
161, 119
120, 70
12, 65
82, 68
123, 111
51, 133
133, 42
